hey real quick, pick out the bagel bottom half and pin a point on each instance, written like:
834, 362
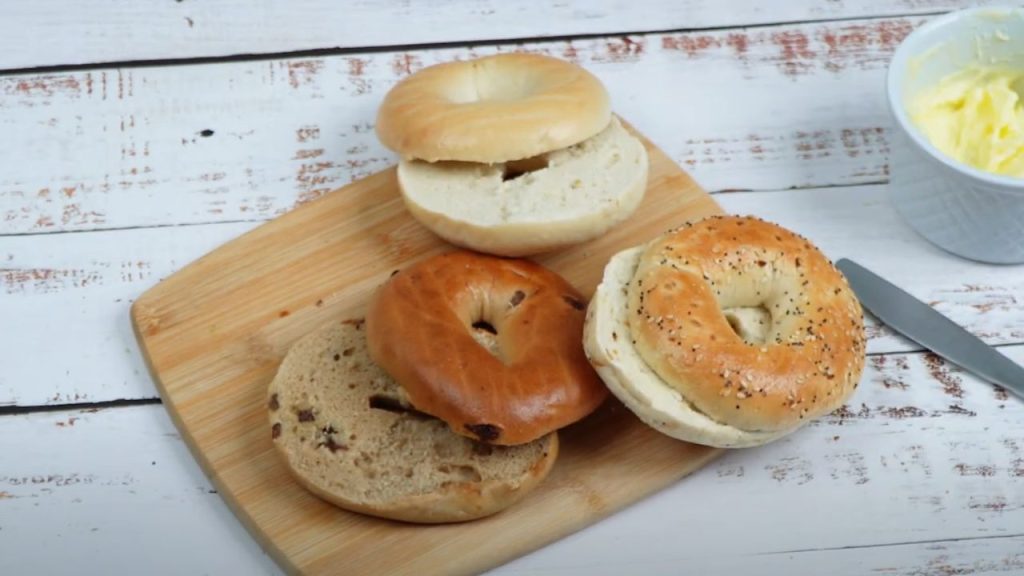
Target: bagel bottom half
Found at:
344, 430
530, 206
608, 344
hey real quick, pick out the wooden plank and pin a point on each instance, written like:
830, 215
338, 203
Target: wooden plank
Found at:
89, 280
951, 482
84, 283
214, 334
896, 473
57, 33
776, 107
997, 555
110, 489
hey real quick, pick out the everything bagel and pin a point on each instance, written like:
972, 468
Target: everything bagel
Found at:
489, 345
730, 332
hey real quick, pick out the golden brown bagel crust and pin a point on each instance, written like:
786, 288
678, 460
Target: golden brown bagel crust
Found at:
813, 351
492, 109
419, 329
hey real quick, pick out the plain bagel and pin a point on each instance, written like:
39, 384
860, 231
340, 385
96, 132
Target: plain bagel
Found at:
492, 109
509, 209
489, 345
729, 332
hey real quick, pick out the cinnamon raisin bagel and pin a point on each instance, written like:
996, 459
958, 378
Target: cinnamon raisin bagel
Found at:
492, 346
340, 425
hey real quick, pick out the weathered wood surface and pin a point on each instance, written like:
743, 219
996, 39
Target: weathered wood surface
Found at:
60, 33
760, 109
921, 474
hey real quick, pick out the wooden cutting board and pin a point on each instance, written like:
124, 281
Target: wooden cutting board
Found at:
214, 333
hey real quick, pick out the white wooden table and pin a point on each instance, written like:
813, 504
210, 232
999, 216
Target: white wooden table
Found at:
137, 136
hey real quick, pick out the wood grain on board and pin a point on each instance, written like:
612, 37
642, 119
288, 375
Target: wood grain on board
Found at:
214, 333
775, 108
55, 33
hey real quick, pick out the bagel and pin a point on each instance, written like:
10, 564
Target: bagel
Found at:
492, 109
340, 425
729, 332
579, 193
489, 345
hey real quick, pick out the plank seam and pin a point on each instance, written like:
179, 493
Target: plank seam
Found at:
265, 220
357, 50
890, 544
33, 408
81, 406
141, 227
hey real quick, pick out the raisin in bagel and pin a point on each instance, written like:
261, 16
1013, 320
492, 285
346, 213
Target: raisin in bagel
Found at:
492, 109
341, 426
430, 326
729, 332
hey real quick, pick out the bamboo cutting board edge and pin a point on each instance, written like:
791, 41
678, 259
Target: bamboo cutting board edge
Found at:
662, 170
265, 543
210, 471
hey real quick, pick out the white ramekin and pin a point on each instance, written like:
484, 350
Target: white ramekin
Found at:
969, 212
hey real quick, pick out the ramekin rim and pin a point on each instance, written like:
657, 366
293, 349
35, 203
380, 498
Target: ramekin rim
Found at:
897, 67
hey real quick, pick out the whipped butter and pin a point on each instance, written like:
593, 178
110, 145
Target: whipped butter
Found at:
976, 117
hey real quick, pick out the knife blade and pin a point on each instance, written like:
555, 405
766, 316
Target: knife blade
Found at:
929, 328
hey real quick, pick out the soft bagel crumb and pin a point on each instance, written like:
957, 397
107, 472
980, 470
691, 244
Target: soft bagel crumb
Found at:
575, 194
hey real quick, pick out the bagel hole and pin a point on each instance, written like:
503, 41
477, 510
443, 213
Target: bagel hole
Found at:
486, 335
751, 323
516, 168
485, 326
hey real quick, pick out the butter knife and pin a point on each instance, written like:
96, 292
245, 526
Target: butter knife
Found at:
921, 323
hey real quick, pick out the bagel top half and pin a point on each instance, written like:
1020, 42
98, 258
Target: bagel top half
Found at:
729, 332
493, 109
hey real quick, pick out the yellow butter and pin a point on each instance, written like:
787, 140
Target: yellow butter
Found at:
976, 117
